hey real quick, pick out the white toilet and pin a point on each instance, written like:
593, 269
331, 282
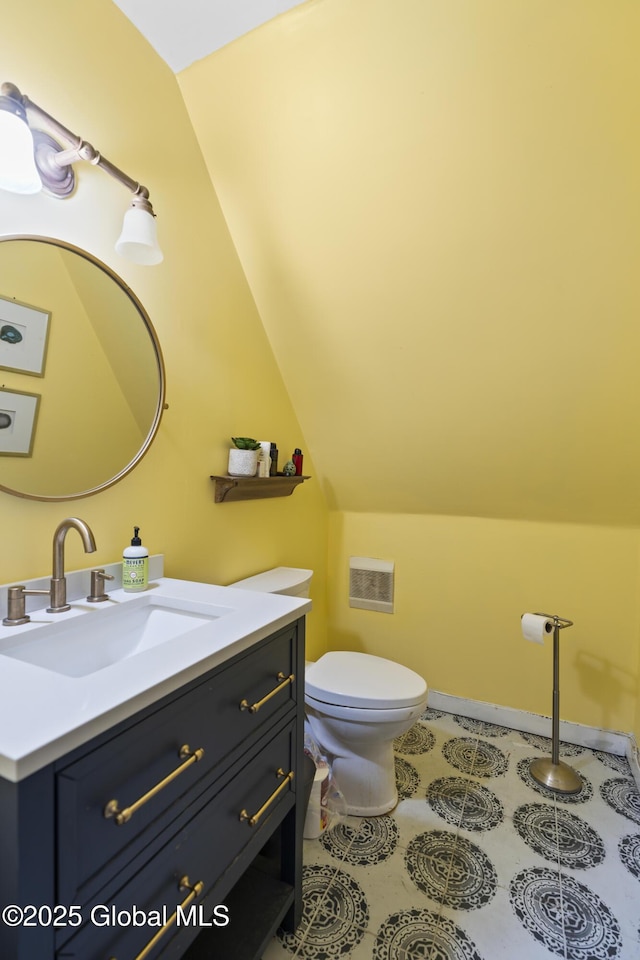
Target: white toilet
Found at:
356, 705
291, 581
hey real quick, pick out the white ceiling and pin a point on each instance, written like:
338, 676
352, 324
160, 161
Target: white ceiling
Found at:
192, 29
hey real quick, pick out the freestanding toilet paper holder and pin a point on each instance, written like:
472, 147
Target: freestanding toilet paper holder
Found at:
554, 773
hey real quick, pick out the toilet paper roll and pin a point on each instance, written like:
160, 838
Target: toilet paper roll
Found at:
535, 627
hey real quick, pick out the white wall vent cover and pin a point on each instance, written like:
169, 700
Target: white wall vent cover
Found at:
371, 584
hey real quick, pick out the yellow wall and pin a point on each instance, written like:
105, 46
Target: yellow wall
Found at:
114, 327
462, 584
437, 207
437, 214
88, 66
75, 366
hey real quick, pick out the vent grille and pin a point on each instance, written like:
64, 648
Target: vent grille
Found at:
371, 584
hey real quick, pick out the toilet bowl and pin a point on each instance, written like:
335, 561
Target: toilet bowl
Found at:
356, 705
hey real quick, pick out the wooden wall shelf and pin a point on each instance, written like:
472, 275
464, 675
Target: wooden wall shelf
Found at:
254, 488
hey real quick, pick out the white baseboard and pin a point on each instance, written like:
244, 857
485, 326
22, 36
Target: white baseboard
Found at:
611, 741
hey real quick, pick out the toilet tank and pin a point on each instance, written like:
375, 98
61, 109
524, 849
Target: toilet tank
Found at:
291, 581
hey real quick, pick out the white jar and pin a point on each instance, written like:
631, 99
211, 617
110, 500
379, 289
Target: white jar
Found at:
242, 463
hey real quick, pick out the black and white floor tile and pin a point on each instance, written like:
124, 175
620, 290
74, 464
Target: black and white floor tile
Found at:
478, 861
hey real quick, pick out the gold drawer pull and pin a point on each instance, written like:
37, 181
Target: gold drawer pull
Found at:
254, 819
254, 707
183, 884
122, 816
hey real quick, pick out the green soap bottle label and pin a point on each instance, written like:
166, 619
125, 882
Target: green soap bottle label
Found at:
135, 572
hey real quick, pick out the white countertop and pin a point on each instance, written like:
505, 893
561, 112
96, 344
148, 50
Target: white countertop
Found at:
44, 714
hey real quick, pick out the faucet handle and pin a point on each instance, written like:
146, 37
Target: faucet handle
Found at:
16, 614
97, 586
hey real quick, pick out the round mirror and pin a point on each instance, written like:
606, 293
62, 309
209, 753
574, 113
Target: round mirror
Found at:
81, 374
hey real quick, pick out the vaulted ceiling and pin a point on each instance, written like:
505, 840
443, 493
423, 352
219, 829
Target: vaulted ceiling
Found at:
437, 208
187, 31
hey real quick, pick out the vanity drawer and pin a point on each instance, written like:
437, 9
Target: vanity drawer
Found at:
216, 836
101, 824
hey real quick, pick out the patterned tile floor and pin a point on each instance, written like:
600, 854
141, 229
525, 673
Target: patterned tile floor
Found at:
478, 862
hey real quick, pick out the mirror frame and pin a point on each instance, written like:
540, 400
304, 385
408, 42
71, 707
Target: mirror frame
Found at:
161, 404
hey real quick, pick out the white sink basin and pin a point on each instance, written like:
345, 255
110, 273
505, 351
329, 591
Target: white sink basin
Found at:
101, 637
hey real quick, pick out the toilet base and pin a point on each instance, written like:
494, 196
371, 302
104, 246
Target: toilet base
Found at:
367, 783
359, 744
372, 811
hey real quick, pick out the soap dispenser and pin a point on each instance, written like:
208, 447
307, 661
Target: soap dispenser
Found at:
135, 565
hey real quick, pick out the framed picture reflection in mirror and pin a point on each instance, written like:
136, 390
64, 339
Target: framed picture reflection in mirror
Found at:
18, 416
23, 337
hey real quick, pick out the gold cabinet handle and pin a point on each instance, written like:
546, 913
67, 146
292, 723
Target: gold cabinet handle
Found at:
252, 820
194, 891
254, 707
119, 816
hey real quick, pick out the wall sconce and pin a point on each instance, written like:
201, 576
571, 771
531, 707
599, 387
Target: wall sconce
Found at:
31, 160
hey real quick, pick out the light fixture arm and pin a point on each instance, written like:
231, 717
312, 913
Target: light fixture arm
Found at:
44, 163
79, 150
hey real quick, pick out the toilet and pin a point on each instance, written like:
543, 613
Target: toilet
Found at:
356, 706
290, 581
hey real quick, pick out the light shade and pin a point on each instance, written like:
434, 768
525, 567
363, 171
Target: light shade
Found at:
32, 160
138, 241
18, 171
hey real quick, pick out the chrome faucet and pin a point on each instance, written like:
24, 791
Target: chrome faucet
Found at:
58, 592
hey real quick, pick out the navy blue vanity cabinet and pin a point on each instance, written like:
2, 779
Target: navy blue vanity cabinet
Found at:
27, 861
126, 766
216, 764
213, 839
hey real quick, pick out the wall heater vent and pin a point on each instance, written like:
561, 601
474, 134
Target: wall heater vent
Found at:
371, 584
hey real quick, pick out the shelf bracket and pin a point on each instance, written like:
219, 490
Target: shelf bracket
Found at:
254, 488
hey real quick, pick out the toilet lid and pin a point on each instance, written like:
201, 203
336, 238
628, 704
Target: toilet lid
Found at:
361, 680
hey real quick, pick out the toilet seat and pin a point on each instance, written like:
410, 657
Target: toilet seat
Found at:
365, 714
360, 680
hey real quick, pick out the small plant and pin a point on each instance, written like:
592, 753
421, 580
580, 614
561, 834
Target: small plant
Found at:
246, 443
